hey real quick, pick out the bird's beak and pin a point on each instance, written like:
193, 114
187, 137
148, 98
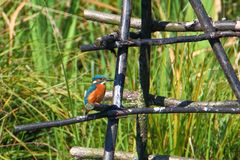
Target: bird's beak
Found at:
109, 80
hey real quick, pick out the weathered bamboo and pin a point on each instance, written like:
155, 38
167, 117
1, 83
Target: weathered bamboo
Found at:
144, 78
217, 47
224, 25
187, 107
96, 153
162, 101
168, 102
120, 72
161, 41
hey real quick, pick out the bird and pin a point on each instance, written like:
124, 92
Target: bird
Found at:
95, 93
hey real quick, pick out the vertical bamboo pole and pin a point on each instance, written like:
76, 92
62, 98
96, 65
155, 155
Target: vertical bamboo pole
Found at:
120, 73
144, 69
217, 47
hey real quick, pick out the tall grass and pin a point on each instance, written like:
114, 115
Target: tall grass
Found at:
48, 75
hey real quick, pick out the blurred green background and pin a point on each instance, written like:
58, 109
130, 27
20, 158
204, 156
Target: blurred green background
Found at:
43, 76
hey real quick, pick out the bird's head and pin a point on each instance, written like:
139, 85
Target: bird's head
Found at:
100, 79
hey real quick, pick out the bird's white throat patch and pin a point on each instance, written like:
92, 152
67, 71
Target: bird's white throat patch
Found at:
97, 81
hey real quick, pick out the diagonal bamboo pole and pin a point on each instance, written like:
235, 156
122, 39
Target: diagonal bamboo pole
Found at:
217, 47
120, 73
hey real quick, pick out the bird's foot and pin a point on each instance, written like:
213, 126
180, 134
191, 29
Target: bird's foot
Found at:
89, 106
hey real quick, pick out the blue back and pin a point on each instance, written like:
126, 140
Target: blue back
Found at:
98, 76
89, 91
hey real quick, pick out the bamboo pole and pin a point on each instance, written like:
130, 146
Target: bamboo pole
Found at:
217, 47
144, 78
160, 41
224, 25
120, 72
96, 153
230, 107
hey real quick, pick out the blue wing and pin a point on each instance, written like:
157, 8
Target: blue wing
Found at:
90, 90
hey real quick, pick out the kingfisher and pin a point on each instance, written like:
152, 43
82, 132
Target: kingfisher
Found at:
96, 92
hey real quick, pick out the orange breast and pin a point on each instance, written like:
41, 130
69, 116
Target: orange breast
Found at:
98, 94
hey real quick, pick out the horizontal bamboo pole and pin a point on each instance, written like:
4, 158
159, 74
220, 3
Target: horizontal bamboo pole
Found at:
94, 153
160, 41
224, 25
167, 106
168, 102
115, 112
97, 153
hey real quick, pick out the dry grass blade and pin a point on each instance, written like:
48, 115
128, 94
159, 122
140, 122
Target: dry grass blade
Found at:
20, 142
218, 8
53, 23
7, 89
26, 19
230, 42
236, 64
13, 18
6, 18
39, 8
